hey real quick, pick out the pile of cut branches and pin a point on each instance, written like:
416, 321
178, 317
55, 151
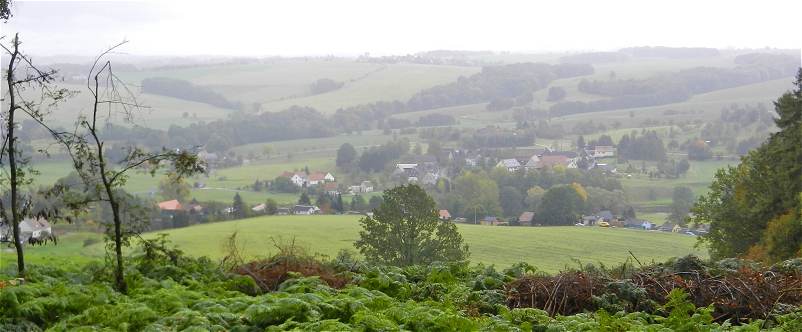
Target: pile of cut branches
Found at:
290, 259
749, 291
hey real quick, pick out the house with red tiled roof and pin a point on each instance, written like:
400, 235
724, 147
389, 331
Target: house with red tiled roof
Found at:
550, 161
301, 178
526, 218
297, 178
330, 188
444, 215
171, 205
320, 177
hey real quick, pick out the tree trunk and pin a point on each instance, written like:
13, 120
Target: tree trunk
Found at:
12, 160
119, 270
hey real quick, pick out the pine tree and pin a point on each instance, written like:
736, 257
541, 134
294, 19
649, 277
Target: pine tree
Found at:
238, 207
304, 199
339, 203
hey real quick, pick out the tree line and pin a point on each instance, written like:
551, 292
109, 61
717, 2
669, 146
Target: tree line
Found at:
182, 89
678, 86
754, 209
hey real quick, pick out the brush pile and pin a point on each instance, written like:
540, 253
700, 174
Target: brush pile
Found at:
735, 290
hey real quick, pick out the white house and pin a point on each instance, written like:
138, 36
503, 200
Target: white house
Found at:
511, 165
406, 167
259, 208
601, 151
29, 229
5, 232
532, 163
305, 209
366, 186
317, 178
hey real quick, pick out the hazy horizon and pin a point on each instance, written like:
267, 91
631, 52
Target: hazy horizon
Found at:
351, 28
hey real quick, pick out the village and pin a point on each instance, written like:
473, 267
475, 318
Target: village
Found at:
320, 192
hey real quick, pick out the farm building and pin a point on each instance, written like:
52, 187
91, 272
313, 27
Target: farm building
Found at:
601, 151
259, 208
511, 165
364, 187
331, 188
30, 229
490, 221
305, 209
171, 205
444, 215
301, 179
527, 218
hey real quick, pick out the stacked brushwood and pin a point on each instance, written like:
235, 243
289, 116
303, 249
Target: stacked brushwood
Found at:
736, 290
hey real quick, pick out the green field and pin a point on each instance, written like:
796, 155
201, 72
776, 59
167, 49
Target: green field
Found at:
393, 82
280, 83
158, 112
548, 248
698, 178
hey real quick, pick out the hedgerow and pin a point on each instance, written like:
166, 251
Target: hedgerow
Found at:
172, 292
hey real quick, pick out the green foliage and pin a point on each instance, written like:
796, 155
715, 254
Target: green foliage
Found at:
304, 199
561, 205
238, 208
346, 155
477, 194
405, 230
169, 291
681, 203
746, 201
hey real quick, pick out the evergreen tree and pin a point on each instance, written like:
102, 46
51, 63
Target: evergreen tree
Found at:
338, 203
271, 207
755, 208
346, 155
358, 203
304, 199
238, 208
681, 203
374, 202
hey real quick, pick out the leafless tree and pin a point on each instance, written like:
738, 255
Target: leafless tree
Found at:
111, 98
20, 76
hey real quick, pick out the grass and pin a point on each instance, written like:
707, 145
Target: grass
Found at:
698, 178
267, 81
313, 148
391, 82
221, 184
548, 248
706, 106
160, 112
70, 250
280, 83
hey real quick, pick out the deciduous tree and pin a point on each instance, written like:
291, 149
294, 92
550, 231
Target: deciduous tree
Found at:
405, 230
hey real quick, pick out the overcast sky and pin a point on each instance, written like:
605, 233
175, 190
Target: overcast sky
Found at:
344, 27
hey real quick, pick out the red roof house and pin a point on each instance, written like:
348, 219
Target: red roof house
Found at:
172, 205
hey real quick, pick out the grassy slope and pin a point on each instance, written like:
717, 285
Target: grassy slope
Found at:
705, 106
262, 82
160, 112
221, 185
281, 83
70, 249
548, 248
393, 82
